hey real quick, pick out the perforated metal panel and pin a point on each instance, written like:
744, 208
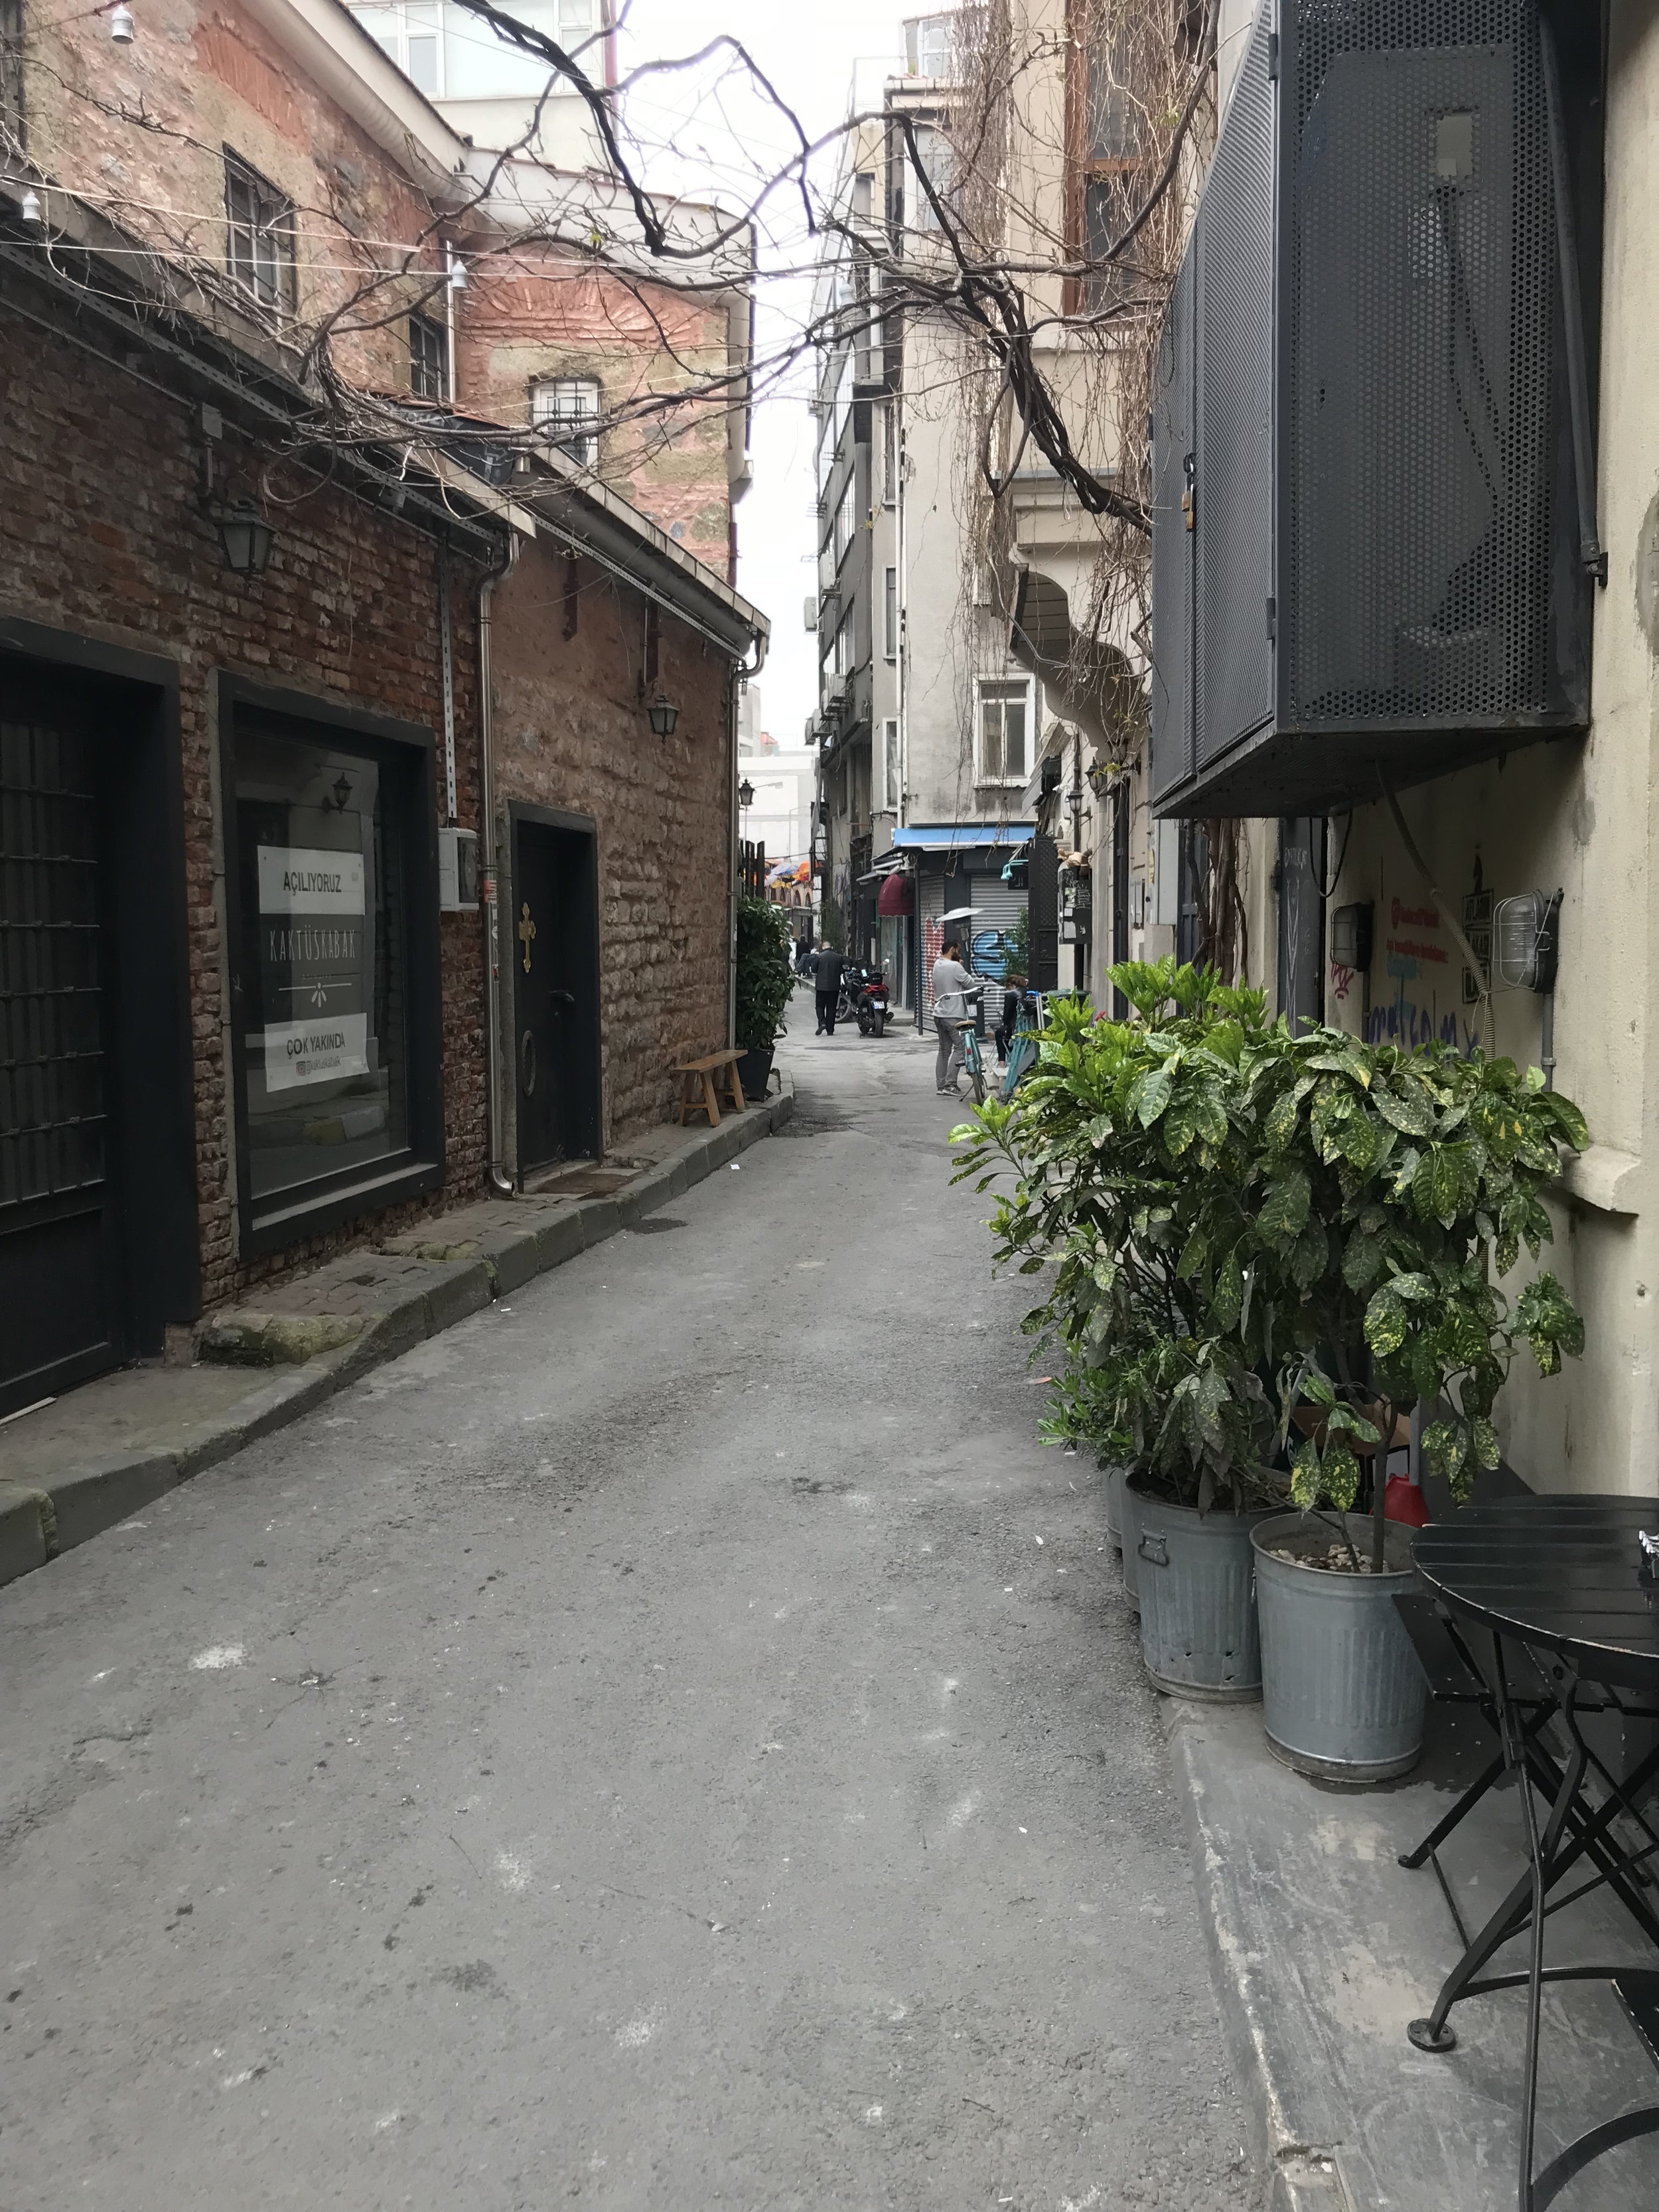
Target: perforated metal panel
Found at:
1389, 573
1173, 453
1234, 303
1423, 289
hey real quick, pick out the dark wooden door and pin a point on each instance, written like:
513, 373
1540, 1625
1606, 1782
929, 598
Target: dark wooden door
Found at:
555, 991
60, 1302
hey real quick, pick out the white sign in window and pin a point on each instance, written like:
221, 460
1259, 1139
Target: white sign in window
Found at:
296, 879
323, 1051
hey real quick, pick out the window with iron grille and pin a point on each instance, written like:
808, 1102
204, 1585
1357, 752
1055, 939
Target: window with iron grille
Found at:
1004, 723
259, 236
11, 73
428, 358
567, 409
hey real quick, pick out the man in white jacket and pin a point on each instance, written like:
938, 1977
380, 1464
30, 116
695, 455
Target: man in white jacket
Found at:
951, 984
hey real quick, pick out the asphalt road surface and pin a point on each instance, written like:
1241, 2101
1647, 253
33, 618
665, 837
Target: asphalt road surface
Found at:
673, 1741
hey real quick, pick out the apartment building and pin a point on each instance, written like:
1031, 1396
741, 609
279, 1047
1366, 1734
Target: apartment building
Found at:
929, 725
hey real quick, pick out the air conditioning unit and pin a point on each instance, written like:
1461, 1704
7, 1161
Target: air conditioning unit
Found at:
835, 689
1374, 541
810, 612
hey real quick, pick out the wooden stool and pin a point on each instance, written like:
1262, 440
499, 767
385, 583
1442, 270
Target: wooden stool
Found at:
700, 1081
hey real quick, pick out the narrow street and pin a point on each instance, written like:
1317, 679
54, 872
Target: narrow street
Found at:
674, 1740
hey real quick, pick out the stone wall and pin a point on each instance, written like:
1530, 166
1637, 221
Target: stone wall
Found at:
537, 313
100, 474
566, 657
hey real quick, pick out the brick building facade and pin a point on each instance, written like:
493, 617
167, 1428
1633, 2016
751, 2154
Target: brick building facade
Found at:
245, 976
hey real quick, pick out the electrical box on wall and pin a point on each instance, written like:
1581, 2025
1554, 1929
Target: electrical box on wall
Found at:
458, 870
1350, 937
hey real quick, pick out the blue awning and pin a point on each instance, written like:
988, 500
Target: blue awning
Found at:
961, 837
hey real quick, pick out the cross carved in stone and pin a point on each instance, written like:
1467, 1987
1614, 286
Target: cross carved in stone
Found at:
526, 933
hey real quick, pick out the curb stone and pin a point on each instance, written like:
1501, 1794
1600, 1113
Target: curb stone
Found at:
87, 1500
1307, 2177
23, 1545
451, 1282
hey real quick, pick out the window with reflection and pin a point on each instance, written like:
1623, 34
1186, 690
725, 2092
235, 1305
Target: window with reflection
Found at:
322, 972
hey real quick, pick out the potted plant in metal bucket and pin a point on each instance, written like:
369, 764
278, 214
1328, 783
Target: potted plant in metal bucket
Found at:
763, 983
1126, 1146
1412, 1181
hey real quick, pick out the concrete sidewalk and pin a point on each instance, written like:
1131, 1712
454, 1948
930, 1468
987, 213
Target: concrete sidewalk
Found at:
83, 1462
1323, 1947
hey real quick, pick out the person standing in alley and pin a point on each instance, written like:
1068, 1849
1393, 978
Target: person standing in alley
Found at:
826, 983
1013, 998
951, 984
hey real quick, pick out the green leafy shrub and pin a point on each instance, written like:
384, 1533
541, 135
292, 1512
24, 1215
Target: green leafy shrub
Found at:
763, 977
1238, 1224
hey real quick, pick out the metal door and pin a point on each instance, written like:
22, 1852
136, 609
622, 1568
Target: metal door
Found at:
60, 1304
555, 939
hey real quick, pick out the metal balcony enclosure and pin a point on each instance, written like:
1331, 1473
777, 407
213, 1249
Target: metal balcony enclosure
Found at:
1373, 551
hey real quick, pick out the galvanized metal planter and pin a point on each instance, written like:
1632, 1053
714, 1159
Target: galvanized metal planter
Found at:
1126, 1534
1112, 1480
1343, 1694
1192, 1569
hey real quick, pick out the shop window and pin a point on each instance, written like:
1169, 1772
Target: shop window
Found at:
260, 231
334, 975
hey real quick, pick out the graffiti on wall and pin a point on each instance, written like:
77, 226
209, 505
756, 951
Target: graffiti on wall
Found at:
1423, 976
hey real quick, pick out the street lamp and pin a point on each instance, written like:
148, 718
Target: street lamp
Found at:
745, 794
247, 539
663, 714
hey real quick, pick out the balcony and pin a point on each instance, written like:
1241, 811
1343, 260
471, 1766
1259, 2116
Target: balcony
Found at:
1374, 544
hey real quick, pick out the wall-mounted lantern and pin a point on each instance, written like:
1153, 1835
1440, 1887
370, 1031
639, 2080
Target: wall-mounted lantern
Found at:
247, 538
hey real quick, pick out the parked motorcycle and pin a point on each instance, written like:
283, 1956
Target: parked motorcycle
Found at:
872, 1009
864, 999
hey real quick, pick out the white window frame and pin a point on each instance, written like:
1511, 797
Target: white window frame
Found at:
936, 156
574, 404
931, 40
1002, 691
419, 22
889, 614
892, 766
397, 28
845, 524
889, 453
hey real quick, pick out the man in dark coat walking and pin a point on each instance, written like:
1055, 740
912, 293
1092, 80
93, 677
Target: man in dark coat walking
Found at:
826, 984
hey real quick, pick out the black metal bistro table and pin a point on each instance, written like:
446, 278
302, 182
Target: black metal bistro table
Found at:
1567, 1578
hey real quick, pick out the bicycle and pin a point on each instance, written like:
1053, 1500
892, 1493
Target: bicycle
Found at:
968, 1039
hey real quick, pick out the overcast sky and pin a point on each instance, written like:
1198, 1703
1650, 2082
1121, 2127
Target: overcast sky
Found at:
721, 145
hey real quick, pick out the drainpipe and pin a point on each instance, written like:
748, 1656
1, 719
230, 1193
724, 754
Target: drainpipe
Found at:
733, 681
500, 1181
